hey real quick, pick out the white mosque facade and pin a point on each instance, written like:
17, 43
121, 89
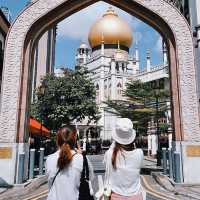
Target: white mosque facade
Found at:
111, 65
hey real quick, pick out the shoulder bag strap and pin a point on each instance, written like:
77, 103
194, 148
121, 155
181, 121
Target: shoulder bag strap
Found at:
86, 168
85, 171
54, 178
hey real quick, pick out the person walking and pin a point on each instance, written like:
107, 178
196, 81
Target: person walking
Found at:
123, 163
64, 167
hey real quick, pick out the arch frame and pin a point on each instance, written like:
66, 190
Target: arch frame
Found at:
35, 19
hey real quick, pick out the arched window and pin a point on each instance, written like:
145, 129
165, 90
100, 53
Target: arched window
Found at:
117, 67
119, 89
105, 90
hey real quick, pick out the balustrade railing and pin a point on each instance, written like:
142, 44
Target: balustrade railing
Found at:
176, 3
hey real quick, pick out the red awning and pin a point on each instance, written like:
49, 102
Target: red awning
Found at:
36, 128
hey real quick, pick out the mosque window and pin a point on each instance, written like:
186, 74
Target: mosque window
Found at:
105, 91
117, 67
119, 89
123, 67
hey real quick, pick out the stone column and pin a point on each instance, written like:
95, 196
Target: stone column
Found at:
170, 130
154, 143
149, 147
113, 80
154, 140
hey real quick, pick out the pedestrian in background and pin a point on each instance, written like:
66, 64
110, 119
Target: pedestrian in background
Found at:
64, 167
123, 164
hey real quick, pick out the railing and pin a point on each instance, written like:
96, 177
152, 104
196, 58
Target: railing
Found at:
182, 6
176, 3
153, 69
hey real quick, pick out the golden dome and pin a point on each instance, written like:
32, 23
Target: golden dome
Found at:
110, 29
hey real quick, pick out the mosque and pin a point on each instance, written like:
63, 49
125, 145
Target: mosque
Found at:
111, 65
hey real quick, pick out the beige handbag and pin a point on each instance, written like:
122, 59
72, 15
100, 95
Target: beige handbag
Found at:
105, 192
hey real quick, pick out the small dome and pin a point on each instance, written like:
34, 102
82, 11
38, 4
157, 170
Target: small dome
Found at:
83, 46
111, 30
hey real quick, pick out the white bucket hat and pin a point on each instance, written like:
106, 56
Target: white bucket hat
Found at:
124, 132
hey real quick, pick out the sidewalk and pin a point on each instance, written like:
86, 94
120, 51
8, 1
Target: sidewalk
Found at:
163, 186
158, 186
21, 191
186, 191
150, 165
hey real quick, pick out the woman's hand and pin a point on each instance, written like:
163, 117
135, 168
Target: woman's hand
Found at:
78, 149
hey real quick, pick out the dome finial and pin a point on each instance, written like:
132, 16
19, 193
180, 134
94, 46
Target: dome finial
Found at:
110, 11
118, 45
102, 38
110, 8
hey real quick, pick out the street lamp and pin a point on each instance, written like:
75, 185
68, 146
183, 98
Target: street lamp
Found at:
157, 127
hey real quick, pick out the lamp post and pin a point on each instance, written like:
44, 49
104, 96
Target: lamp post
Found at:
42, 89
158, 128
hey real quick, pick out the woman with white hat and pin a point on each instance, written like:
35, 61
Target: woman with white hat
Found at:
123, 164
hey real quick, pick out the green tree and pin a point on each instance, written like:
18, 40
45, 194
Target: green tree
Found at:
143, 101
60, 100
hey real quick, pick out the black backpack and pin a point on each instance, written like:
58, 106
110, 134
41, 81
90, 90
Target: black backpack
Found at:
84, 189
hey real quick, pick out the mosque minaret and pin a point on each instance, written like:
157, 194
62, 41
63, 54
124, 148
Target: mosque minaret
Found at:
111, 65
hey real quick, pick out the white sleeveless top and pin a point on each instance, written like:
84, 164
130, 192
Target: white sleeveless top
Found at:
67, 182
125, 180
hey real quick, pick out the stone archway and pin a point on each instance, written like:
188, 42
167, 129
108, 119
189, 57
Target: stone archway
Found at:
40, 16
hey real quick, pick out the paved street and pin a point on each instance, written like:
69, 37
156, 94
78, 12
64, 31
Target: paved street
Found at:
154, 190
99, 168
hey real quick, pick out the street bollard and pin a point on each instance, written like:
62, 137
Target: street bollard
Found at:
32, 164
170, 154
164, 155
41, 163
20, 179
173, 164
177, 167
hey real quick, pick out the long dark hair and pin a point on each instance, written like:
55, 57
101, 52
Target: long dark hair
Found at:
120, 147
66, 140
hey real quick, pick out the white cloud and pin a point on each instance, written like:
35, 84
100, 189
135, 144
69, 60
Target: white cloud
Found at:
77, 25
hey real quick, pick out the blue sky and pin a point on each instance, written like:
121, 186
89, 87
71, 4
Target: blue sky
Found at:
73, 30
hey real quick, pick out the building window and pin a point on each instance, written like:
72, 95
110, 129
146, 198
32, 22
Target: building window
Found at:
105, 91
119, 89
117, 67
